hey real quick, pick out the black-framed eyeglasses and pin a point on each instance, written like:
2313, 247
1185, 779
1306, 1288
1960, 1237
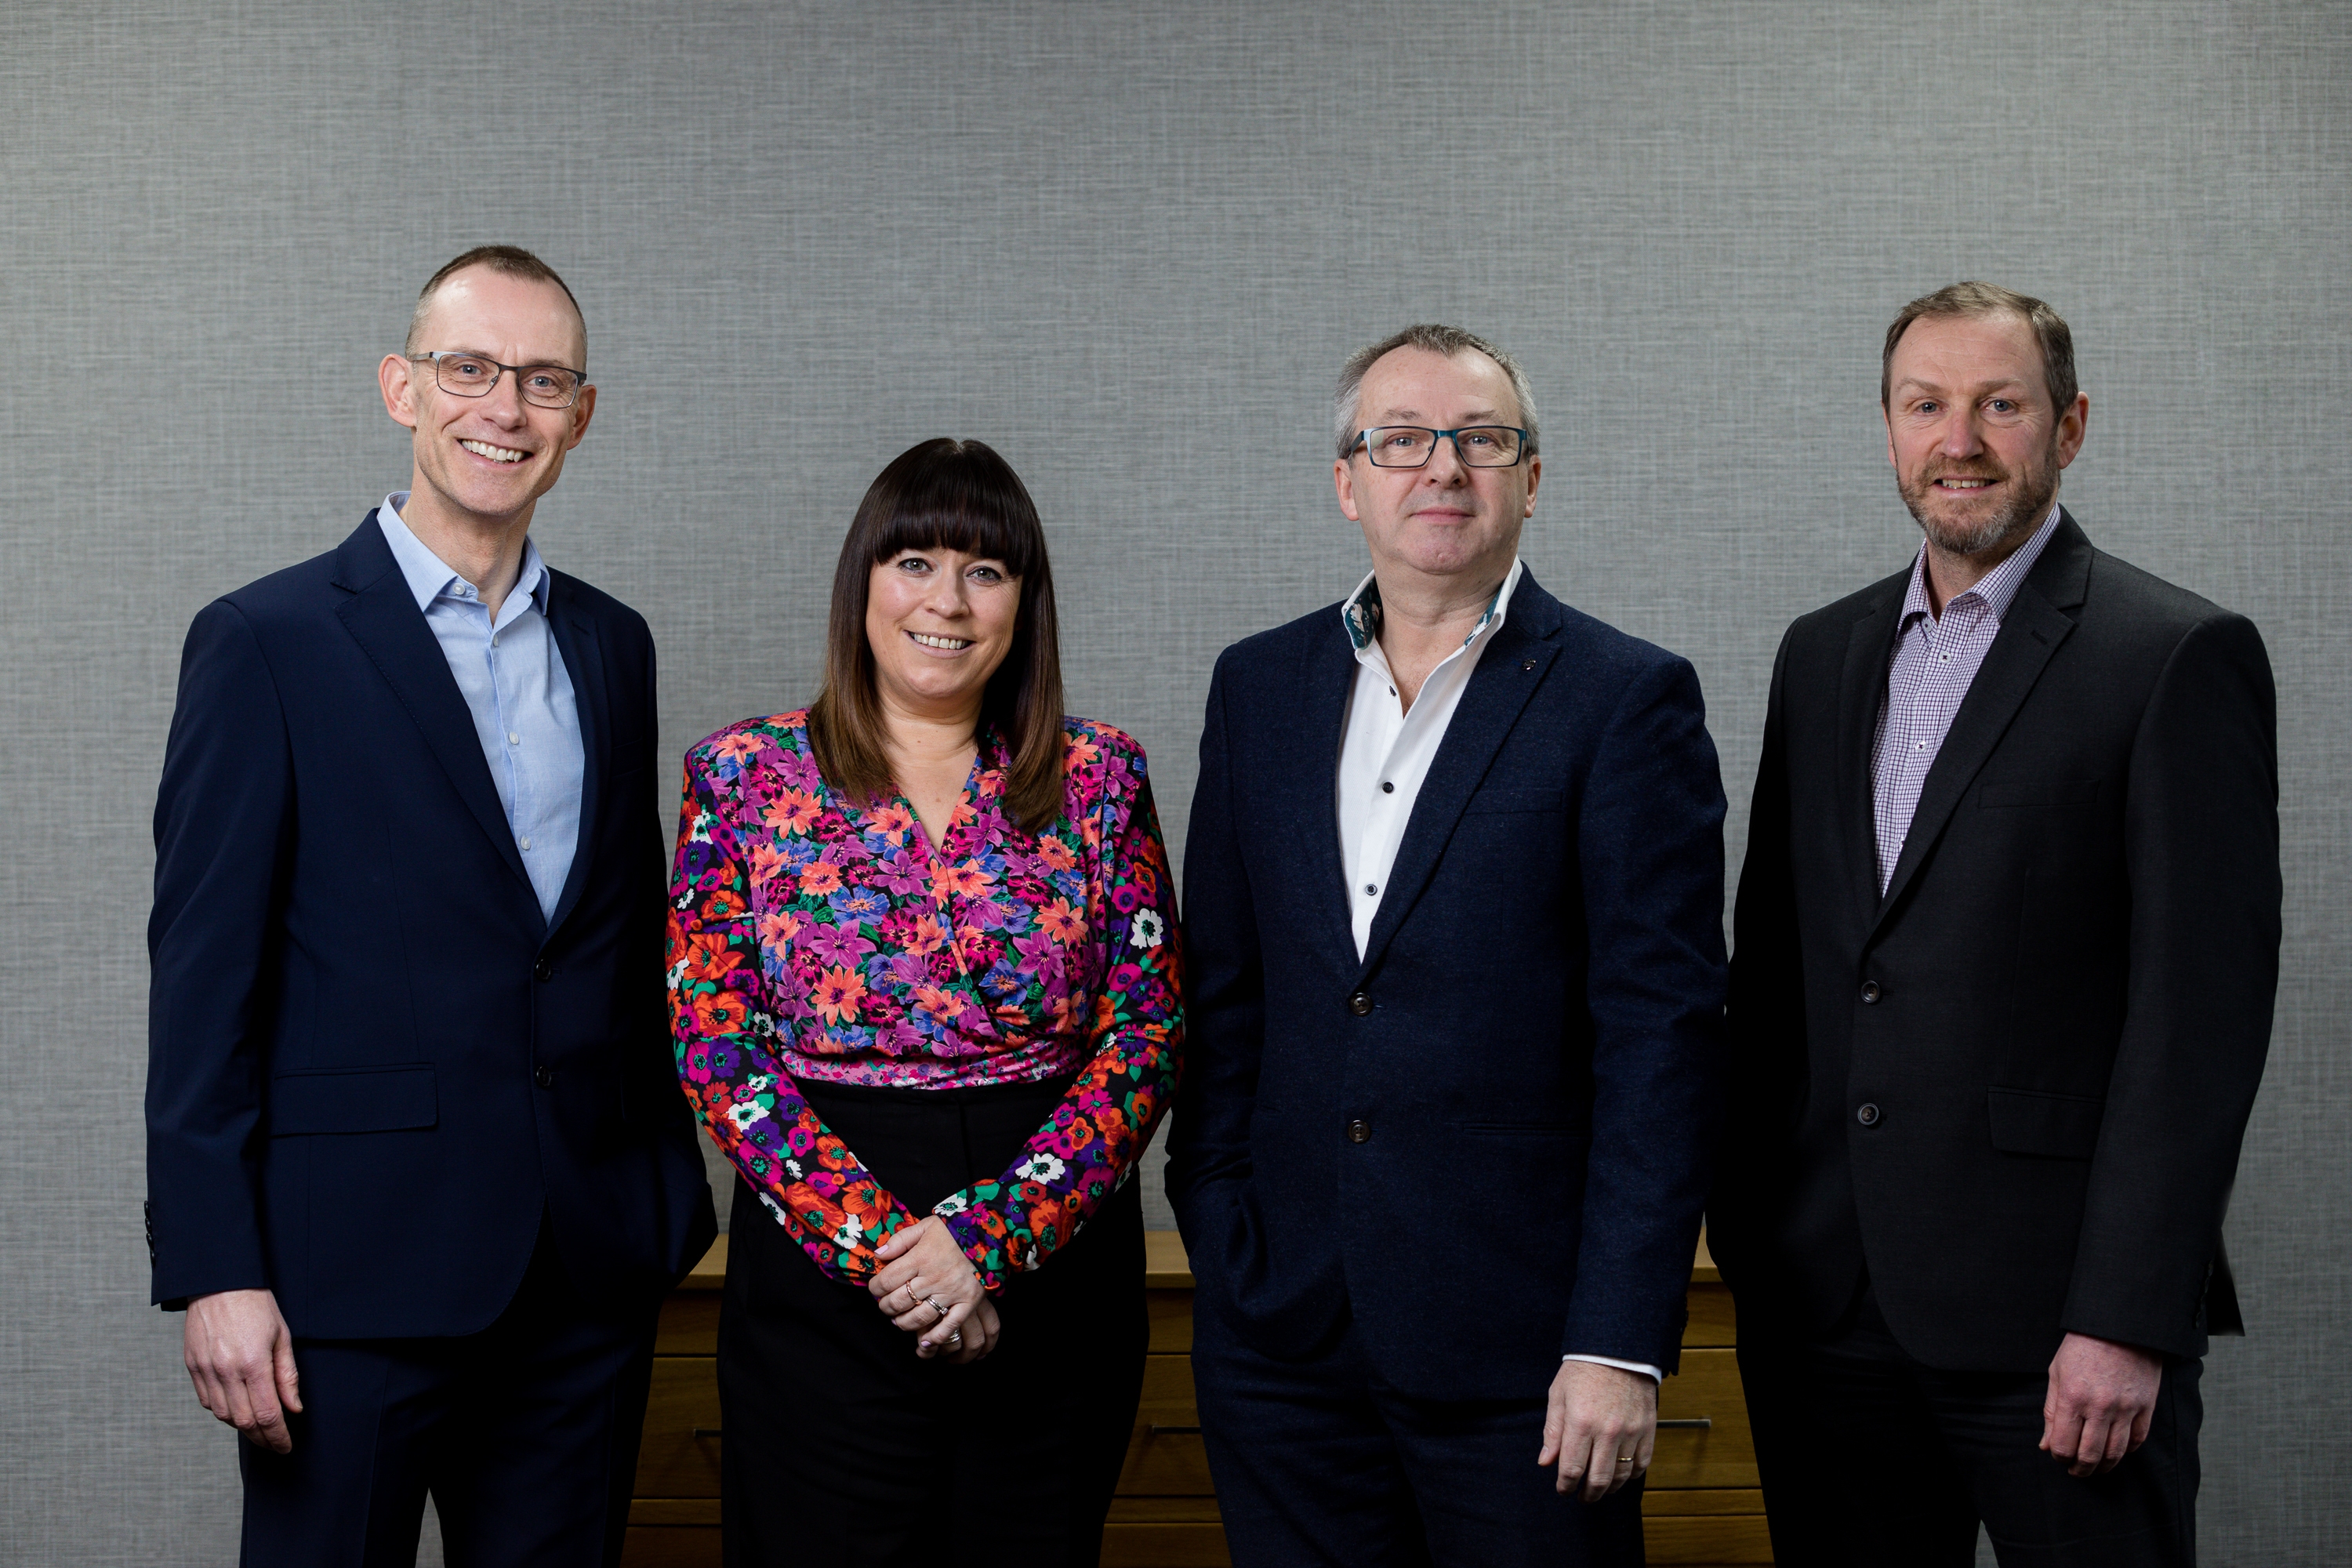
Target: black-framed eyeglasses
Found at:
465, 374
1412, 445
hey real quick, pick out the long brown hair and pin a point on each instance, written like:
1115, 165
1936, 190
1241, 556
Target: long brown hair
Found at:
944, 494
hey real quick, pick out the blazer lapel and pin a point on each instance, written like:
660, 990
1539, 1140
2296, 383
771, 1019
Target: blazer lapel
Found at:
1508, 673
1862, 689
382, 618
1326, 676
576, 641
2030, 634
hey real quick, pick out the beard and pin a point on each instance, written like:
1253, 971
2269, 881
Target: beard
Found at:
1964, 529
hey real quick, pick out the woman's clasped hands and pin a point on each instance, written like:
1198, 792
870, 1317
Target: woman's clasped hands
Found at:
928, 1286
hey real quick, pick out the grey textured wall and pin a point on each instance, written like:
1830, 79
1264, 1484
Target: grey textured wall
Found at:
1128, 244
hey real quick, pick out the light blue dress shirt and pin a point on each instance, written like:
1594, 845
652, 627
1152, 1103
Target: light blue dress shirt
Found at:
512, 677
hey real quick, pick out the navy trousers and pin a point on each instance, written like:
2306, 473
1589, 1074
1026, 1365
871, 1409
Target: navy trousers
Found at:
1318, 1462
1871, 1460
524, 1434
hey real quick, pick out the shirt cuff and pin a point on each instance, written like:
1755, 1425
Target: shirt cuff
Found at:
1644, 1368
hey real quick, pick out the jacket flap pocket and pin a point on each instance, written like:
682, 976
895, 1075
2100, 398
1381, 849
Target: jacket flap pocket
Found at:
2056, 1126
2037, 792
355, 1100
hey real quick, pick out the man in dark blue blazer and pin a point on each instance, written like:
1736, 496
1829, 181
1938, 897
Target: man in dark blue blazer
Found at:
413, 1136
1454, 897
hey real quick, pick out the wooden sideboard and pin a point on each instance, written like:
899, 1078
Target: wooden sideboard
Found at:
1702, 1507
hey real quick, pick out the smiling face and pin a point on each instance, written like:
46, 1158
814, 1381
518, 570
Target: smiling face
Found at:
1443, 520
1976, 443
489, 458
939, 623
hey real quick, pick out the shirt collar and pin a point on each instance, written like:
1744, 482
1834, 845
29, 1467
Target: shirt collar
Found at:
1361, 614
1995, 590
429, 576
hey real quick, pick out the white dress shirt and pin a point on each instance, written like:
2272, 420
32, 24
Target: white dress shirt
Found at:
1384, 755
511, 675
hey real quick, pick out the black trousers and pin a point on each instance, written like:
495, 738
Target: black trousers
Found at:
842, 1448
1319, 1462
525, 1434
1870, 1458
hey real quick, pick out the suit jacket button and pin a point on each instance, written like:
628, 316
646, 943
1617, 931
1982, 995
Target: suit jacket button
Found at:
1361, 1004
1867, 1115
543, 969
544, 1077
1360, 1131
1872, 991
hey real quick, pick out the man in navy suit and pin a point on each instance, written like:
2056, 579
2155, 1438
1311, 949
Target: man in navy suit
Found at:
418, 1168
1454, 898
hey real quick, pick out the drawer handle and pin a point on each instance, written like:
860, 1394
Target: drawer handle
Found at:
1699, 1422
704, 1431
1157, 1430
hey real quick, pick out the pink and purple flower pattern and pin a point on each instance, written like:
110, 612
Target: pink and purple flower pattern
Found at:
810, 939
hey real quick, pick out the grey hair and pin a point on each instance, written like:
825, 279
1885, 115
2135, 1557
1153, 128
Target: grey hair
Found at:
1446, 340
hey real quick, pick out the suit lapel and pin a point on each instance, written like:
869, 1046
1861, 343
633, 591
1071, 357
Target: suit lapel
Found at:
1507, 674
382, 618
576, 641
1326, 676
1862, 691
2030, 634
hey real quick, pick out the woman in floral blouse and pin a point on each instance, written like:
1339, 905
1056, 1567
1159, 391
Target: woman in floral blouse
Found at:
925, 988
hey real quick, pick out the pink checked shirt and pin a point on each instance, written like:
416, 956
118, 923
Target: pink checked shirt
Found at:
1936, 660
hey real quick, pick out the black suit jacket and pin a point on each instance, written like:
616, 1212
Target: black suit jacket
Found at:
1486, 1138
2014, 1087
374, 1065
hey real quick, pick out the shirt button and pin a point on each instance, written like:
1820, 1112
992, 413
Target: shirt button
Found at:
544, 1077
1370, 888
526, 843
1360, 1003
1360, 1131
1872, 991
513, 739
1867, 1114
1387, 788
543, 970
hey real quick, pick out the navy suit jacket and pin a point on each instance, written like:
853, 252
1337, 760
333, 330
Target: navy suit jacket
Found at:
1530, 1041
375, 1066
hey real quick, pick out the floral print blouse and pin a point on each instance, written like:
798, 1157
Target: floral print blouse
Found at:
811, 940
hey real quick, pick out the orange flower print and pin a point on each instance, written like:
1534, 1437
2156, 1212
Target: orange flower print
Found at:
928, 937
1083, 752
1061, 922
778, 927
970, 881
765, 863
793, 811
837, 994
939, 1003
722, 905
1056, 853
893, 820
738, 748
719, 1011
708, 956
820, 876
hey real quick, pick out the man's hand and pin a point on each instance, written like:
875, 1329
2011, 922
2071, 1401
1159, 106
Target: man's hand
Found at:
1598, 1416
922, 1265
240, 1356
2101, 1398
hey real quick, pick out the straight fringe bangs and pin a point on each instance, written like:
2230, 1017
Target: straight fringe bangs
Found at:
944, 494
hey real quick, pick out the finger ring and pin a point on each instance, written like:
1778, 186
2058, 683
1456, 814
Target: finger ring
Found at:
938, 1305
1624, 1458
955, 1336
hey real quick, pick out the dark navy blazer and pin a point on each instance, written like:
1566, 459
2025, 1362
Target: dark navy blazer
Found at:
1530, 1042
374, 1065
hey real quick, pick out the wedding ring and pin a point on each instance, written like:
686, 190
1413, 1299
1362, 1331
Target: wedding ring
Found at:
936, 1305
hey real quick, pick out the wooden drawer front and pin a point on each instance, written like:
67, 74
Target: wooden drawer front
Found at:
1165, 1546
1712, 1323
1164, 1457
663, 1546
1721, 1455
1171, 1321
672, 1462
690, 1324
1737, 1539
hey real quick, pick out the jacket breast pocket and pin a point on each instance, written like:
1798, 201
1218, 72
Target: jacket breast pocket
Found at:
353, 1099
2005, 795
2054, 1126
1497, 802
